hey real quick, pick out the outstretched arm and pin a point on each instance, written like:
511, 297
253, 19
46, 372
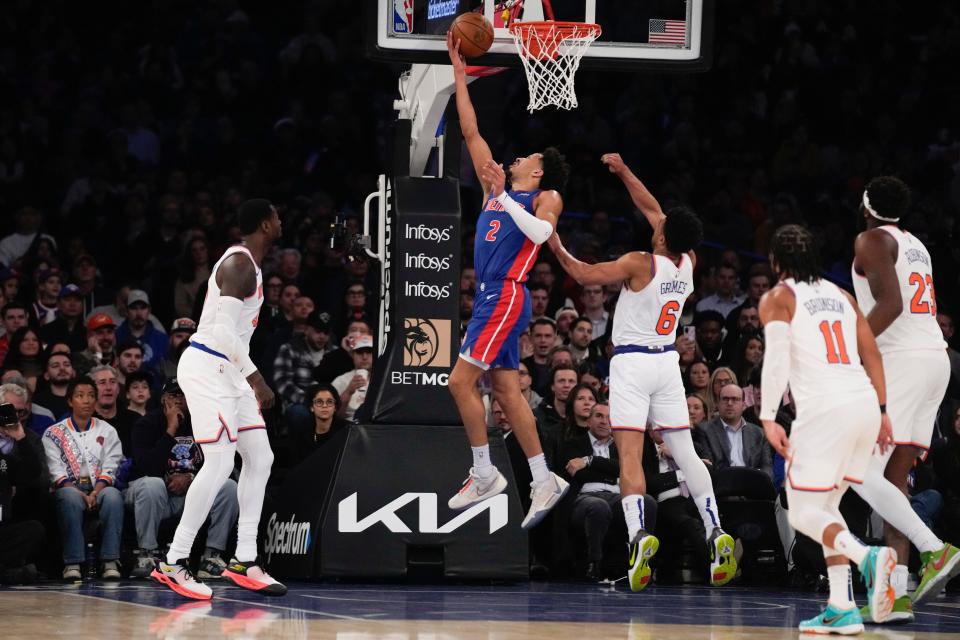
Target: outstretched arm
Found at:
548, 204
476, 145
627, 266
641, 196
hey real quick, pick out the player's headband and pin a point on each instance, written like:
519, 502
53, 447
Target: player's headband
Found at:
873, 212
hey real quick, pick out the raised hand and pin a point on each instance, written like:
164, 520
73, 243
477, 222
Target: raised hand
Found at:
453, 48
493, 175
614, 162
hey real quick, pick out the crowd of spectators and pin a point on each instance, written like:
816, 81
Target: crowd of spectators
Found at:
130, 133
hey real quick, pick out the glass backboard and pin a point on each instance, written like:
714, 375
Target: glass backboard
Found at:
637, 34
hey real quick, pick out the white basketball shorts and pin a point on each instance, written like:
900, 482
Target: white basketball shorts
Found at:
647, 387
220, 408
916, 383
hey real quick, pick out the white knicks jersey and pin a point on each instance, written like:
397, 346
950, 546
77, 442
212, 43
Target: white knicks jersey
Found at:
824, 358
916, 327
648, 317
249, 315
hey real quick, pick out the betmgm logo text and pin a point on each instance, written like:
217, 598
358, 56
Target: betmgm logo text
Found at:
287, 537
498, 508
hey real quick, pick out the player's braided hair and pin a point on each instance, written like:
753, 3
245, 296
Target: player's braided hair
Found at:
795, 253
555, 170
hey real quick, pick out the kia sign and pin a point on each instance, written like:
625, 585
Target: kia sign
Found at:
497, 506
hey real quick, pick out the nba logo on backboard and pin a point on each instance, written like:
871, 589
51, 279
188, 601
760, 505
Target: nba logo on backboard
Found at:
403, 16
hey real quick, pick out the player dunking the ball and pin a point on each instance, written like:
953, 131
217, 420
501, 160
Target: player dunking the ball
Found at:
893, 280
512, 226
816, 338
645, 381
225, 393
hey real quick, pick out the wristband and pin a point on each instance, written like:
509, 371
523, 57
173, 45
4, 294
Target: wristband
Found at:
883, 408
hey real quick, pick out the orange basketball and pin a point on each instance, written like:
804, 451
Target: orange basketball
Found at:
474, 32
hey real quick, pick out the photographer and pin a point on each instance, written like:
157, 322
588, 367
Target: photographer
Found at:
21, 465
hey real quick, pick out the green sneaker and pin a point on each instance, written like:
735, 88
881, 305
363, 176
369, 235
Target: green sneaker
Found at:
723, 559
876, 569
902, 612
938, 568
643, 548
832, 620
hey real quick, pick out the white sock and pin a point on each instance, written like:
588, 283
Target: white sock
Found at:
841, 589
697, 477
924, 539
217, 466
898, 580
707, 505
481, 461
254, 449
633, 514
538, 468
849, 546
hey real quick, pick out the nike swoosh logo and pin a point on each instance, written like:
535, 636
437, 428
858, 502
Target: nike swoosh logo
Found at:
633, 554
941, 561
831, 619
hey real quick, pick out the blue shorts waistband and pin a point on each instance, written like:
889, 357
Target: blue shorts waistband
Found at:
203, 347
636, 348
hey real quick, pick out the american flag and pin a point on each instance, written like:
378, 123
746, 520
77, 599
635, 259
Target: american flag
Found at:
667, 31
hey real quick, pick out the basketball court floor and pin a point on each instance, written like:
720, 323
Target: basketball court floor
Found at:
366, 612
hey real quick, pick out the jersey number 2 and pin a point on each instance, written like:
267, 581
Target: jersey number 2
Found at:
836, 353
668, 318
492, 234
917, 303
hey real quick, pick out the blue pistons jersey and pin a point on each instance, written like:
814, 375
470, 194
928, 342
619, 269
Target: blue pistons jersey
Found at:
501, 251
502, 257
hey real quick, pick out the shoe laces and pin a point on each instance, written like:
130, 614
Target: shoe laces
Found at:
546, 487
182, 568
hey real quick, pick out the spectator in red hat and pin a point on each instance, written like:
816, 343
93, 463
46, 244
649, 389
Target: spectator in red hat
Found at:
101, 342
14, 315
138, 327
68, 326
49, 285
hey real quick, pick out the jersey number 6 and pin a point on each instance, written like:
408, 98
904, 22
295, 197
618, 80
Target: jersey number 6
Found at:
668, 318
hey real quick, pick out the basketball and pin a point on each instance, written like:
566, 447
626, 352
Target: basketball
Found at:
474, 32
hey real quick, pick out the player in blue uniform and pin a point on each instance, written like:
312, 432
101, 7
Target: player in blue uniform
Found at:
510, 230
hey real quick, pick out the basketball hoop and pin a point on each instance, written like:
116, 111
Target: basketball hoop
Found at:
551, 52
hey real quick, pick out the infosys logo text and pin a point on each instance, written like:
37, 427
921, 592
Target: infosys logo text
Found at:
428, 263
424, 232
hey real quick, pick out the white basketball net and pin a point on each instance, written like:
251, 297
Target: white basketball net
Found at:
551, 53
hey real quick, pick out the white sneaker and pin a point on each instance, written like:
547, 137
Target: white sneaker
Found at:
71, 572
111, 570
179, 578
543, 497
476, 489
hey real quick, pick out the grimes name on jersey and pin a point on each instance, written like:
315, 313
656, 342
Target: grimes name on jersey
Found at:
674, 286
819, 305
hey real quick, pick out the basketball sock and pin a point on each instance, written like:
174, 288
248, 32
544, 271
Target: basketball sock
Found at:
538, 468
841, 588
848, 545
633, 514
254, 449
899, 579
894, 507
217, 466
481, 462
680, 443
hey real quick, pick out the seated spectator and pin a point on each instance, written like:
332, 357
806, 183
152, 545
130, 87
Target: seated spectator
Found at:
564, 319
759, 280
587, 374
295, 362
138, 326
194, 267
709, 326
580, 401
37, 418
352, 385
551, 413
592, 298
543, 334
57, 375
581, 335
108, 408
726, 296
698, 382
945, 456
539, 299
118, 310
354, 307
339, 361
532, 397
697, 410
744, 319
324, 402
748, 355
84, 275
14, 316
25, 355
593, 467
129, 359
22, 467
721, 377
101, 341
166, 460
44, 308
560, 355
83, 454
68, 326
731, 441
138, 391
180, 332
